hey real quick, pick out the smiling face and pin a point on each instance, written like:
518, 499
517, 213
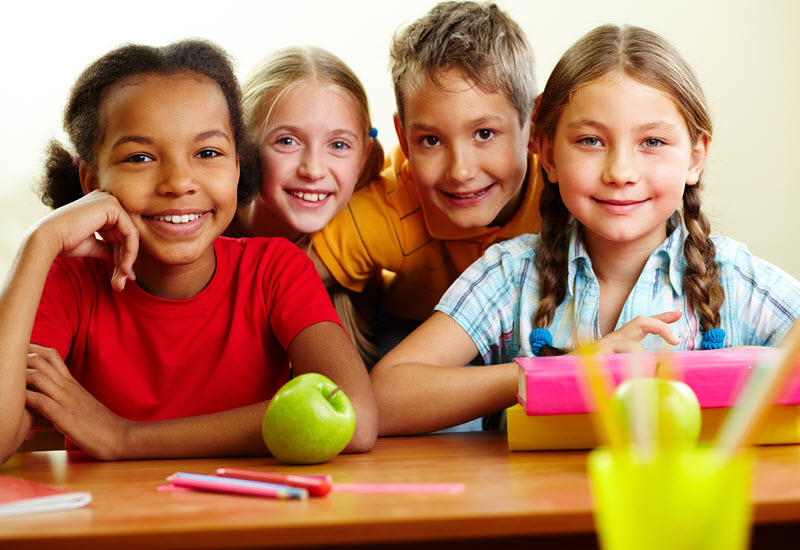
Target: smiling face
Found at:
467, 151
168, 155
621, 156
314, 148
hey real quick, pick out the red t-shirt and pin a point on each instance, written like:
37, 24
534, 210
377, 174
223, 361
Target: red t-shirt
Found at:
149, 358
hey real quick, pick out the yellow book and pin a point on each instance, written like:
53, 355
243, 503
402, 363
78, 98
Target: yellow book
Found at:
780, 426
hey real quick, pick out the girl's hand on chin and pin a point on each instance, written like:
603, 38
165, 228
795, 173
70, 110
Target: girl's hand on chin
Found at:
72, 228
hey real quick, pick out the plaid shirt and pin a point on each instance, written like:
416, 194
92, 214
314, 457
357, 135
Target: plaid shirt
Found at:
497, 296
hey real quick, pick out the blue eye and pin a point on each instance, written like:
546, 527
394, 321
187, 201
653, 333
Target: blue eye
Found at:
286, 141
340, 145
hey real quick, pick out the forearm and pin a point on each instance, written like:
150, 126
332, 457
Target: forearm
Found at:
236, 432
326, 349
19, 300
419, 398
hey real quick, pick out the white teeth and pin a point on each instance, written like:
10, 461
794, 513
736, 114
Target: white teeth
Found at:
310, 197
185, 218
467, 196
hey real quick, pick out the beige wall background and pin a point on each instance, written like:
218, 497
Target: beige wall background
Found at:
747, 56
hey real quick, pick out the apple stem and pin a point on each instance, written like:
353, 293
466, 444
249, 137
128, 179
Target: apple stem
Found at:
334, 392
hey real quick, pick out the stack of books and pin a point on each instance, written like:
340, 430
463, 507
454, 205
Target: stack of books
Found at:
553, 412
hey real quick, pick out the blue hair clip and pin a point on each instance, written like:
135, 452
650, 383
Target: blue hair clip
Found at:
373, 132
539, 338
713, 339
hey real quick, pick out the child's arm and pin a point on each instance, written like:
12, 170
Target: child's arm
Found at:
67, 231
107, 436
322, 270
326, 349
322, 347
423, 384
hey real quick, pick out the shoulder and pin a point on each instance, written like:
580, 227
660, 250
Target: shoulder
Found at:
520, 248
81, 272
736, 260
751, 278
507, 262
260, 254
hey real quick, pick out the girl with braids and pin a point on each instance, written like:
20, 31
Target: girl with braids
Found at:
162, 339
309, 115
623, 133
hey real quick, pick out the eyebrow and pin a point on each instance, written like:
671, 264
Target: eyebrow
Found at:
299, 130
485, 120
649, 126
142, 140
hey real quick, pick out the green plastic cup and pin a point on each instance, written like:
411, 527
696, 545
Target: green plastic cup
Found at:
682, 500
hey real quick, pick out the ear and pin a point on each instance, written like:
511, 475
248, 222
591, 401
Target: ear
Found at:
697, 160
545, 152
88, 177
401, 134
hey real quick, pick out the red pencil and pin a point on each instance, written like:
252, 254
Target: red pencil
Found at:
316, 485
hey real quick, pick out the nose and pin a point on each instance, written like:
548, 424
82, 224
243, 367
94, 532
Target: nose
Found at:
620, 167
312, 164
463, 164
176, 178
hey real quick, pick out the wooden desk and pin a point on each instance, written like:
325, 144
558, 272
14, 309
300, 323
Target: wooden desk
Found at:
512, 499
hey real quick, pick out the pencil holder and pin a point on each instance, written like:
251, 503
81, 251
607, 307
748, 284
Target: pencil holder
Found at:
685, 499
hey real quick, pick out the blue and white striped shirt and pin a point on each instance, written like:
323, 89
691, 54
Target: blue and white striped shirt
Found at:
496, 298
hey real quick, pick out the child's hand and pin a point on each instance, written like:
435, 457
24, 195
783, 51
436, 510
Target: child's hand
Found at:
628, 338
72, 228
53, 392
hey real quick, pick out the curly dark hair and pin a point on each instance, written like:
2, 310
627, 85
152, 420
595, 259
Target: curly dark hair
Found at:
61, 184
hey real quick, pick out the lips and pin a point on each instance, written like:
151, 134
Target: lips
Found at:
618, 206
468, 197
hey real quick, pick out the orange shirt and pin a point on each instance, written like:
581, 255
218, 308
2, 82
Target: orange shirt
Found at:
385, 227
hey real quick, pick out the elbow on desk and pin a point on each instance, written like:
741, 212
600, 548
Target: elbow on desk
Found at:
364, 438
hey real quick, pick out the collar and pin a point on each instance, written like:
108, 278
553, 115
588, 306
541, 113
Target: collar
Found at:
669, 255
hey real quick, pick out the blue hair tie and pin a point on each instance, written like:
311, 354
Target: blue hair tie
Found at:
539, 338
713, 339
373, 132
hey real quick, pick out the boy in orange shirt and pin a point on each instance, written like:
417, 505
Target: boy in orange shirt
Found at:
464, 176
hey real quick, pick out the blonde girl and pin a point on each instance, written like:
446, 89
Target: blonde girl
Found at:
623, 133
309, 115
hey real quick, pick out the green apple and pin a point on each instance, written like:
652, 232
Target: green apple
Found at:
672, 412
309, 420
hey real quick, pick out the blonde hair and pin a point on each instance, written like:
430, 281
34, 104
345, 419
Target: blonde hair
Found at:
479, 40
650, 59
269, 80
286, 68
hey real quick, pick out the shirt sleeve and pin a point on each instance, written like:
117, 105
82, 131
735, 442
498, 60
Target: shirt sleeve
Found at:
483, 300
764, 301
294, 293
361, 240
